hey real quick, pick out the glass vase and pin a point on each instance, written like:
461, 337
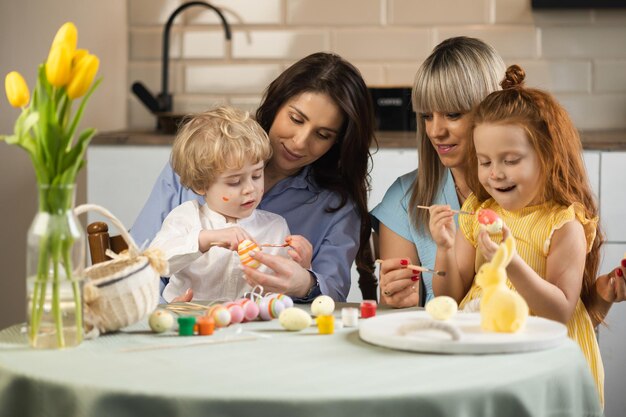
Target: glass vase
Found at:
55, 261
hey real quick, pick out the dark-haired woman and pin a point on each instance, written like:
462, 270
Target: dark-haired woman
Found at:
319, 117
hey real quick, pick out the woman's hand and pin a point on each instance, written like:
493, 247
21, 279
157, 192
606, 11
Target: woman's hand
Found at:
289, 277
612, 287
301, 250
442, 227
229, 238
488, 247
398, 285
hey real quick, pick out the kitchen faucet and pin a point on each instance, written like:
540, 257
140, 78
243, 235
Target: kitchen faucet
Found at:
163, 102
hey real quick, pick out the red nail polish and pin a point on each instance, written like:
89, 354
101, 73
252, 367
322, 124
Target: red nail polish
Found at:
623, 263
620, 273
404, 262
415, 271
415, 278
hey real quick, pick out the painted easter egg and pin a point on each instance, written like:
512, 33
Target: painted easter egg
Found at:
161, 321
270, 308
220, 314
489, 220
294, 319
236, 312
442, 307
250, 309
287, 301
323, 306
244, 249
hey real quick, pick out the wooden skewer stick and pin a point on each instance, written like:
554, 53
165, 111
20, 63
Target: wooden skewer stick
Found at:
186, 307
220, 244
274, 245
454, 211
419, 268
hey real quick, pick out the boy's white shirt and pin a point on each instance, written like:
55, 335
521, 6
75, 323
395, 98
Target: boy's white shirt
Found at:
216, 274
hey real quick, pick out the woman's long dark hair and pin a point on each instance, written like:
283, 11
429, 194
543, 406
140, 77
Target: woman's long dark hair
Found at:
344, 168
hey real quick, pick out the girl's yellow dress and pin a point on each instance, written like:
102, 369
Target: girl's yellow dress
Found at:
532, 228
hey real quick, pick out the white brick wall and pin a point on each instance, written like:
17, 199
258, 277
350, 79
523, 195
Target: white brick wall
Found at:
438, 12
580, 55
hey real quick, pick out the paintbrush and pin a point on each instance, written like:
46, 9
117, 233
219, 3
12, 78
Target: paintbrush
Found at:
420, 268
454, 211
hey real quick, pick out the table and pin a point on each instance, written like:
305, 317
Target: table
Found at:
282, 373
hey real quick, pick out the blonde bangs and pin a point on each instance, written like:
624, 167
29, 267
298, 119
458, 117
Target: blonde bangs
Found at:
453, 88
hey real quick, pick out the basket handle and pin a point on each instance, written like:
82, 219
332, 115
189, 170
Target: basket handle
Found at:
83, 208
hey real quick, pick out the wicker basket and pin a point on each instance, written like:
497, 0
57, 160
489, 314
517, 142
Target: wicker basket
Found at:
124, 290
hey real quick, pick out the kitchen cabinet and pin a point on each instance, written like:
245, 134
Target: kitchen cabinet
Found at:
120, 178
612, 338
613, 195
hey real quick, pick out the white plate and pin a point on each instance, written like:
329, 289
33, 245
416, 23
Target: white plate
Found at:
384, 330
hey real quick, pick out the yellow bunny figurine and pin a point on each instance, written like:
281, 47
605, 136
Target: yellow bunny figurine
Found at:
501, 309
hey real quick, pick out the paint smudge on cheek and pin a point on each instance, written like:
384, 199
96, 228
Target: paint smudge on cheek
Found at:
226, 199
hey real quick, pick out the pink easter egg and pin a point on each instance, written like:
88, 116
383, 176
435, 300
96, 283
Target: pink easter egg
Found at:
236, 312
244, 249
287, 301
270, 308
250, 309
220, 314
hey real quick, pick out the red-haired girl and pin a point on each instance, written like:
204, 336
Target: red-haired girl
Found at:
525, 163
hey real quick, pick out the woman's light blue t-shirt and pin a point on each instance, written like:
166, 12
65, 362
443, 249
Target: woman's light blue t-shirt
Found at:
393, 212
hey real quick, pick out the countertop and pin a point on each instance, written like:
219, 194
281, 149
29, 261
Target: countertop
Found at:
596, 140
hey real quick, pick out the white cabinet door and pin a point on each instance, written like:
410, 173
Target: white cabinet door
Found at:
613, 341
120, 178
592, 164
389, 164
613, 195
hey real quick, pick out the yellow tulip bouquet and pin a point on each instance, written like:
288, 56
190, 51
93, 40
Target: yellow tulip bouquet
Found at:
46, 130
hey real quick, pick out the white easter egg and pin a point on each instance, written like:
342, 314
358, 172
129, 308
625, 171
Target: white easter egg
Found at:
161, 321
442, 307
323, 306
294, 319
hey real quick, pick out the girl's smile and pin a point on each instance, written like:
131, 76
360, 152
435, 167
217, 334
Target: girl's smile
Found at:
508, 166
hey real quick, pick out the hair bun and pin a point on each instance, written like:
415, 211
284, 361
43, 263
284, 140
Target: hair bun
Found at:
513, 78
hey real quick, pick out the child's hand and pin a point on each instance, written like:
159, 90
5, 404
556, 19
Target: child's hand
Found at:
442, 227
302, 250
186, 297
227, 238
487, 246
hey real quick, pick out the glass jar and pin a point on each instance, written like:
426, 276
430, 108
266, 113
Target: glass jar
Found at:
55, 262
